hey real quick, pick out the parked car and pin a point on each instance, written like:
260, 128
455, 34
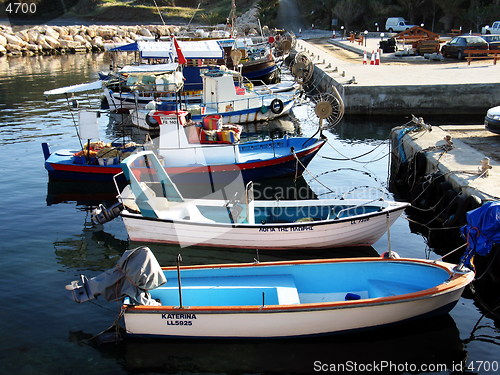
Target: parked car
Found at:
397, 24
457, 46
493, 40
493, 29
492, 120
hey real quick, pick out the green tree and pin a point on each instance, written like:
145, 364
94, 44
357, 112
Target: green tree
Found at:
349, 11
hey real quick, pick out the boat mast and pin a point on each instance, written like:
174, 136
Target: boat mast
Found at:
232, 17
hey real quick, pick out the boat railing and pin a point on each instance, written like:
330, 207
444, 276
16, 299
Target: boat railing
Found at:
338, 215
230, 105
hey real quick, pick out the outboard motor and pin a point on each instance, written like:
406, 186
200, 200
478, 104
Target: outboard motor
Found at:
101, 214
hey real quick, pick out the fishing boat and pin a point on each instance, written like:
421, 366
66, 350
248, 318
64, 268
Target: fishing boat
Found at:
153, 210
225, 94
273, 299
192, 153
136, 85
255, 61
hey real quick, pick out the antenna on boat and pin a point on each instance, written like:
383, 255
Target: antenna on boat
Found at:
197, 8
179, 260
158, 9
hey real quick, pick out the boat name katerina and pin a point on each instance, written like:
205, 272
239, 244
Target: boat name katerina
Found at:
286, 229
178, 316
179, 319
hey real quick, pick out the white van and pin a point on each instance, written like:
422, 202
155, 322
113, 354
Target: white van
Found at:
397, 24
493, 29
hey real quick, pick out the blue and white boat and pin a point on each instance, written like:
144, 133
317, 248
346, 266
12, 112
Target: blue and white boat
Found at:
205, 152
273, 299
225, 94
153, 210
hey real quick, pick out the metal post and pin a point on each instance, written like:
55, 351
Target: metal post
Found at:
179, 260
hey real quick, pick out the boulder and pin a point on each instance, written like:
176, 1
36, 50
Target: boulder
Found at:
32, 36
33, 47
50, 32
54, 43
3, 40
98, 42
80, 39
13, 48
3, 51
91, 32
43, 43
23, 35
14, 40
145, 32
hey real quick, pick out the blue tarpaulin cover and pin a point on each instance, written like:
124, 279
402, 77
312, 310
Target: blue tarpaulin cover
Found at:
482, 230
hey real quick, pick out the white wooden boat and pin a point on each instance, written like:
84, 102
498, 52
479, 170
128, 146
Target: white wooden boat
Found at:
155, 211
136, 85
279, 299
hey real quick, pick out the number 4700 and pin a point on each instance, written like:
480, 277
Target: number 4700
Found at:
17, 8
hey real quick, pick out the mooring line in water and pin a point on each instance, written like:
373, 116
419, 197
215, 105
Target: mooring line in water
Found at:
429, 228
306, 170
346, 158
491, 311
114, 324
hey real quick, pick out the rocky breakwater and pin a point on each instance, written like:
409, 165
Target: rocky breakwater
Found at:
40, 40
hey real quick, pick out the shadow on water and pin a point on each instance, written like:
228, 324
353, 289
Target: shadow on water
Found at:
358, 352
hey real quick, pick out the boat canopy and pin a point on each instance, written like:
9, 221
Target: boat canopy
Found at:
203, 49
482, 230
90, 86
153, 68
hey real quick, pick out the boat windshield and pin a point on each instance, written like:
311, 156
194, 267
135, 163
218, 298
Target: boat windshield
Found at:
150, 184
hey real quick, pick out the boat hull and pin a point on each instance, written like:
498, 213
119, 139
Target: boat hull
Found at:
60, 167
360, 230
295, 318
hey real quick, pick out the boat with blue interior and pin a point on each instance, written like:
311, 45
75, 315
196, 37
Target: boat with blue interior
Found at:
273, 299
154, 210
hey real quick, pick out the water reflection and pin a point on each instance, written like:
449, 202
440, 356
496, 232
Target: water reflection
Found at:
83, 193
91, 250
422, 340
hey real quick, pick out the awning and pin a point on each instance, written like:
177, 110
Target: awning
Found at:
146, 68
202, 49
90, 86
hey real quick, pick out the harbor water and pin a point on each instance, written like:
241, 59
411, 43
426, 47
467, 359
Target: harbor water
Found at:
48, 240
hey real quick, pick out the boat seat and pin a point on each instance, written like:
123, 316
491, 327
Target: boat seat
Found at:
182, 211
168, 210
278, 289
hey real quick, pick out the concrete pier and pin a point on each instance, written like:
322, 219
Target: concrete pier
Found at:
443, 179
402, 85
460, 163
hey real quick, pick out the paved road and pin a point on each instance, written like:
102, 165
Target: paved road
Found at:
406, 71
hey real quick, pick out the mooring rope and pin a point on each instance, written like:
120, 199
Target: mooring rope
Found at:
307, 171
346, 158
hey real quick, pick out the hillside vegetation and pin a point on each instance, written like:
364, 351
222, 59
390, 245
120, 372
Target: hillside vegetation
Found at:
436, 15
208, 12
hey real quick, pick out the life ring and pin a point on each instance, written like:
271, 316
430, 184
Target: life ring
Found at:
152, 121
277, 106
